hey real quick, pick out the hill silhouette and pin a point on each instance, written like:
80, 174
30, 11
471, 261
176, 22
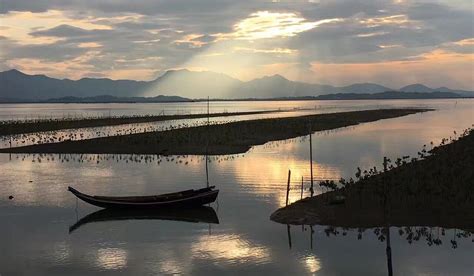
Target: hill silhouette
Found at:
17, 86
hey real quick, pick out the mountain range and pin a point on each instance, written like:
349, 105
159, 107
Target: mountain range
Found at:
18, 86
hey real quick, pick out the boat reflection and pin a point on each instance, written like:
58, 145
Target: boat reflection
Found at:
202, 214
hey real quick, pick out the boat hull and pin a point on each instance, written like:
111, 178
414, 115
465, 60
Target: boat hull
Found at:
189, 199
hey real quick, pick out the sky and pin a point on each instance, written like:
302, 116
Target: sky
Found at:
337, 42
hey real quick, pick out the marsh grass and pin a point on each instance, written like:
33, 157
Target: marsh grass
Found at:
228, 138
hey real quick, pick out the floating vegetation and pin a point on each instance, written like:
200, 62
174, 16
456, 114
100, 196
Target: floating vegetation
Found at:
122, 158
12, 127
17, 140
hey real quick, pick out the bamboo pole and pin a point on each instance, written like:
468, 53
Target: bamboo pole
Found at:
311, 159
288, 187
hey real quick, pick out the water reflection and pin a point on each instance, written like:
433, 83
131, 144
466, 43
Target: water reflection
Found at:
203, 214
112, 258
61, 252
433, 236
35, 222
170, 267
312, 263
231, 249
47, 111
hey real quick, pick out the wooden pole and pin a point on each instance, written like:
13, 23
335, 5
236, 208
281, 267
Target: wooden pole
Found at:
301, 188
288, 187
207, 144
289, 235
311, 159
207, 173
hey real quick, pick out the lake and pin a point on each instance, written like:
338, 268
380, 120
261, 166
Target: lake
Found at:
35, 235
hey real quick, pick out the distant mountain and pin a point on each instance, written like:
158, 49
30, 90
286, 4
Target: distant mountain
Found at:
425, 89
389, 95
16, 86
165, 99
193, 84
276, 86
417, 88
363, 96
365, 88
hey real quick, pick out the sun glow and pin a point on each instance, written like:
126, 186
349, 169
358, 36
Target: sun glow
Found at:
398, 20
465, 42
265, 24
257, 44
230, 248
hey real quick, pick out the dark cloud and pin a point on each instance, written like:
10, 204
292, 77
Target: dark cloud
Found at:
62, 31
23, 5
52, 52
140, 26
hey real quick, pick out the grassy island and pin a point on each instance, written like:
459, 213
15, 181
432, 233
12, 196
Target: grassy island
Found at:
31, 126
229, 138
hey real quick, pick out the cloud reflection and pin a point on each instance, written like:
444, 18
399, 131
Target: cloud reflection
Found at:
312, 263
112, 258
276, 171
230, 249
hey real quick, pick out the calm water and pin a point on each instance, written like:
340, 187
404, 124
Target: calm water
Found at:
35, 238
47, 111
290, 108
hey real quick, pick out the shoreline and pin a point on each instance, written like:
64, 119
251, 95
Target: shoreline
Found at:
435, 190
282, 99
220, 139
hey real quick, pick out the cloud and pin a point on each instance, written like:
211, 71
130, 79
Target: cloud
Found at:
397, 20
427, 68
266, 51
245, 39
264, 24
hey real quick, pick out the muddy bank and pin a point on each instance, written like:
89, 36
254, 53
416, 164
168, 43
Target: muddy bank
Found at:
10, 128
433, 190
230, 138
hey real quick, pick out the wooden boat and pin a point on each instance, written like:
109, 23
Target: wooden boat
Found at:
201, 214
183, 199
